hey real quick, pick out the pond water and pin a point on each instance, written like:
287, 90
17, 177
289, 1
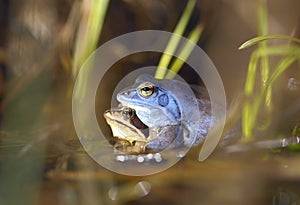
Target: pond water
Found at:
41, 158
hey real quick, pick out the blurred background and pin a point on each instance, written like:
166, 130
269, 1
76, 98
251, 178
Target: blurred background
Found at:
43, 43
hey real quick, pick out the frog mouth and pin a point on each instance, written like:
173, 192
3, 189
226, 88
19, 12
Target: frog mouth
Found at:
121, 128
137, 126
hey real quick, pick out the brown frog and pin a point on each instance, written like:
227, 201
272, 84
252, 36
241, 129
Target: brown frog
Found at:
132, 136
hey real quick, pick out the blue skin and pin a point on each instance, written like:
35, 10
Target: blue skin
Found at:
159, 104
171, 109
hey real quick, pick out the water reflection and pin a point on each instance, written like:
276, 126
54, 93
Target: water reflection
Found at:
129, 191
285, 197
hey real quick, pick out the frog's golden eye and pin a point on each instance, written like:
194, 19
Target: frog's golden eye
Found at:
127, 113
146, 89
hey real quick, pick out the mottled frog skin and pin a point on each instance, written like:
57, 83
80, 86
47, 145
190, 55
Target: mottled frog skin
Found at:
131, 136
127, 130
168, 107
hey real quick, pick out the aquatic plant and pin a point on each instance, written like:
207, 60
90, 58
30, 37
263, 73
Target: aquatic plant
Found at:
261, 101
165, 60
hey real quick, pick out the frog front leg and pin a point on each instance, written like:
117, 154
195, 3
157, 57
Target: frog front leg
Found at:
165, 137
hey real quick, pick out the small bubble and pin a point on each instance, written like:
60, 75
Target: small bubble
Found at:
140, 159
131, 157
150, 156
284, 142
293, 84
113, 193
157, 157
180, 154
120, 158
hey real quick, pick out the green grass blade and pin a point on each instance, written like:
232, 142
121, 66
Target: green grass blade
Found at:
254, 102
265, 67
279, 50
250, 80
262, 17
194, 37
247, 122
280, 68
247, 116
258, 39
296, 130
173, 43
89, 31
248, 112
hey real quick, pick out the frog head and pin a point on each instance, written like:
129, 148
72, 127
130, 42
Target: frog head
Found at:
160, 102
124, 124
129, 133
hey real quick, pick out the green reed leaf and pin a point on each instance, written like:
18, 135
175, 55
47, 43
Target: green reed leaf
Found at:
258, 39
173, 43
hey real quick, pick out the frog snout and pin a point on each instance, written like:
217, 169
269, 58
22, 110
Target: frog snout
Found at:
107, 113
111, 112
125, 95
